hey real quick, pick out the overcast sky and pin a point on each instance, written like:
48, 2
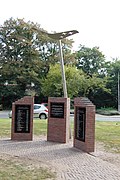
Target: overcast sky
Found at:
98, 21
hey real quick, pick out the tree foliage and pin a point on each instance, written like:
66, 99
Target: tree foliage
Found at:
90, 60
78, 83
30, 64
113, 71
52, 84
26, 53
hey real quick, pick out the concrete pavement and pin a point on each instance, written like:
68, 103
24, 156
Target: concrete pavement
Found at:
69, 163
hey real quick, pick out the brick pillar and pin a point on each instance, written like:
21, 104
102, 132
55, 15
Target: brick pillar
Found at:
22, 119
58, 119
84, 124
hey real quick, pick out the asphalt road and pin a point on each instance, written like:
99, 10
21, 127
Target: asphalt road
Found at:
4, 114
98, 117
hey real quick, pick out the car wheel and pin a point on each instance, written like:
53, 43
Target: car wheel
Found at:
42, 116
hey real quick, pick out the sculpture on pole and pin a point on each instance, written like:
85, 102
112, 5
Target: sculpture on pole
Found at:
60, 36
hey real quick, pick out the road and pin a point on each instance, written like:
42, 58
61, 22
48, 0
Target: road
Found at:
107, 118
98, 117
4, 114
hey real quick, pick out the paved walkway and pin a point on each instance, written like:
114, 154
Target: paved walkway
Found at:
69, 163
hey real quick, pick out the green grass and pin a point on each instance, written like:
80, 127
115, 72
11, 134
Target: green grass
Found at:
40, 127
12, 169
106, 132
5, 127
109, 134
22, 170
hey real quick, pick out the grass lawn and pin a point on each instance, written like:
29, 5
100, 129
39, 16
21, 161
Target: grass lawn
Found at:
5, 127
106, 132
109, 134
40, 127
10, 168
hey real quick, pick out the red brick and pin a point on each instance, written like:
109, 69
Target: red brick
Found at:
89, 143
27, 100
58, 128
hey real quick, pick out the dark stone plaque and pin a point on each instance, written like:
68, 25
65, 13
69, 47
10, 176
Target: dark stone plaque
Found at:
22, 118
56, 110
80, 123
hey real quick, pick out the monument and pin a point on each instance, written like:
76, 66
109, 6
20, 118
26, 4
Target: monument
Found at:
22, 119
58, 119
84, 124
59, 108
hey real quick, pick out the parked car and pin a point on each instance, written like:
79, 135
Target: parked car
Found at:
45, 104
40, 111
1, 107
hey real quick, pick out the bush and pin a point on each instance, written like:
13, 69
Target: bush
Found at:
107, 111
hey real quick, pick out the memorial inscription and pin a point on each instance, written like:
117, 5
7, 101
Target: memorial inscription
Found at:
80, 123
56, 110
22, 119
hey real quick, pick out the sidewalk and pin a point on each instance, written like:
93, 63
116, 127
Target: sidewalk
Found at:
69, 163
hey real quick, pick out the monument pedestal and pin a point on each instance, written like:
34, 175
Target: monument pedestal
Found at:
84, 124
22, 119
58, 119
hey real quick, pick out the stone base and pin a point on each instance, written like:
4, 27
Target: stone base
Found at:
58, 120
22, 125
88, 142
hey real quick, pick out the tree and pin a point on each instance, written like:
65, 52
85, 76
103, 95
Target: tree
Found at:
95, 66
78, 83
90, 60
19, 59
113, 69
52, 84
26, 53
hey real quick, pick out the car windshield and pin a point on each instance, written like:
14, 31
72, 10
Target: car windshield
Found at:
37, 106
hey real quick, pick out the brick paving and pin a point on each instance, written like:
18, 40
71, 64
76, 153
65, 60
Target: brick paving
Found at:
69, 163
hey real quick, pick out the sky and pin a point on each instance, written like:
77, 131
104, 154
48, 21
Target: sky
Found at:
98, 21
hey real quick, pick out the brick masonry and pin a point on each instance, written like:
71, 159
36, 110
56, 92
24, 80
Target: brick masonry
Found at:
58, 127
88, 144
22, 136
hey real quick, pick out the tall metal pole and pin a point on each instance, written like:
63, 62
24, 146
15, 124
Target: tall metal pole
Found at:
118, 93
62, 70
59, 36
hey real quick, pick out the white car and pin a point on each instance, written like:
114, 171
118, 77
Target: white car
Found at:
40, 111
